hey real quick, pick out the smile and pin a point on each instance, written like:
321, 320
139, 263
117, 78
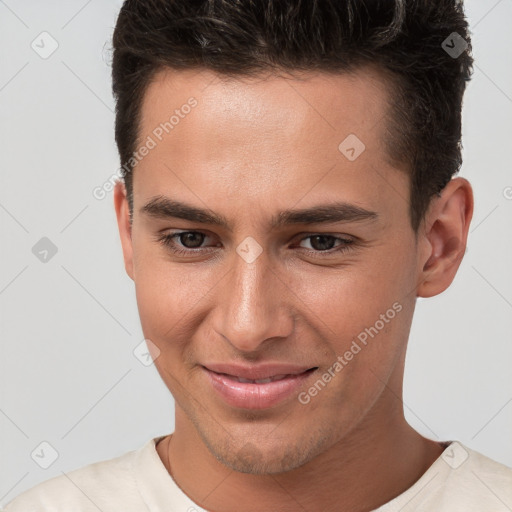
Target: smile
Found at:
265, 389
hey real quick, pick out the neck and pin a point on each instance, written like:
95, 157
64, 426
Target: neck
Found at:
376, 462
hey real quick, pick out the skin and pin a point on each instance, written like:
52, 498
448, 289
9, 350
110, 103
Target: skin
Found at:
249, 149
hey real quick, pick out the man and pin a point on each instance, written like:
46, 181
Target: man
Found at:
281, 210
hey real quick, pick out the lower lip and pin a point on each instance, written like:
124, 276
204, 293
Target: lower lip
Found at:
248, 395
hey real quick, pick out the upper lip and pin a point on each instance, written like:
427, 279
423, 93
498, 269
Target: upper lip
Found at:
256, 372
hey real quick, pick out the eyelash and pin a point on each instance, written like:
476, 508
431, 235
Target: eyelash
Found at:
167, 240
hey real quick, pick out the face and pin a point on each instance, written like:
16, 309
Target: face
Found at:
269, 244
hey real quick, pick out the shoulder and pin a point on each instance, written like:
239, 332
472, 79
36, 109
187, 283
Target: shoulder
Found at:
466, 480
460, 480
486, 476
90, 488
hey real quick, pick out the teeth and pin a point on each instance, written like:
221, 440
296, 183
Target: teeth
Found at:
261, 381
240, 379
279, 377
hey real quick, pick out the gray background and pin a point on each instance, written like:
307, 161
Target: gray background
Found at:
69, 325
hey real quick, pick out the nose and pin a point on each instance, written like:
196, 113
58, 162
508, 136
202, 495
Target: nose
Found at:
253, 305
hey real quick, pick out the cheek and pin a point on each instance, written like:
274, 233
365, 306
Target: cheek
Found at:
340, 303
163, 292
349, 298
165, 304
363, 312
164, 299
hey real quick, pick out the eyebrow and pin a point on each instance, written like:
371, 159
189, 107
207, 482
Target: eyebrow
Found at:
162, 207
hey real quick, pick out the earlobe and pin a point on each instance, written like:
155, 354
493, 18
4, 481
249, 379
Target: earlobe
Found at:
447, 227
125, 229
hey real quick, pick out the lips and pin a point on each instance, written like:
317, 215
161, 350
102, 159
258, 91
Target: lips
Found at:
256, 387
257, 372
261, 381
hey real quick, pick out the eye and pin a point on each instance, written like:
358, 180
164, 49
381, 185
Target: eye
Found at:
190, 243
191, 239
183, 243
323, 243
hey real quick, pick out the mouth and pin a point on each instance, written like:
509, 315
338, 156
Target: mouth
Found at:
258, 381
257, 387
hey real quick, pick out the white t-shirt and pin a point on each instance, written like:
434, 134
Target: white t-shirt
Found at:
459, 480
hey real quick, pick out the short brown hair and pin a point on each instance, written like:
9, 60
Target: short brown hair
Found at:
409, 40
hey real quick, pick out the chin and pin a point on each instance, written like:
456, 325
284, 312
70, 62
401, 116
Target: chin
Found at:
253, 460
269, 453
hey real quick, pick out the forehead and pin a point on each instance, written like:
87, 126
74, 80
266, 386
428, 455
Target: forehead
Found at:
265, 136
324, 101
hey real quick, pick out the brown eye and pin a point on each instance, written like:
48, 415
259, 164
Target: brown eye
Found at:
324, 245
322, 242
191, 239
186, 243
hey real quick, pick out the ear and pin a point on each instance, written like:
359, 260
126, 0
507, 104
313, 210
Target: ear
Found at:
444, 236
123, 222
